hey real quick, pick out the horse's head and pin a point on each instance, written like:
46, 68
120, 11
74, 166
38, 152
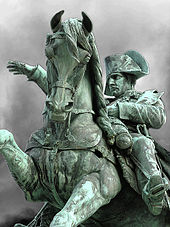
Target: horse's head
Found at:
68, 51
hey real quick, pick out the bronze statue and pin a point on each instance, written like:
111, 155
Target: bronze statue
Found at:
70, 163
139, 111
60, 163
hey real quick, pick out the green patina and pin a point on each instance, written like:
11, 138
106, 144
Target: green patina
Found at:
85, 156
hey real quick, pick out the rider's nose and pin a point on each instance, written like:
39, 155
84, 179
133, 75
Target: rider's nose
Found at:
111, 81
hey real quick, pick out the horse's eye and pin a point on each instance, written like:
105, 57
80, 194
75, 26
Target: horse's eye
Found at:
49, 105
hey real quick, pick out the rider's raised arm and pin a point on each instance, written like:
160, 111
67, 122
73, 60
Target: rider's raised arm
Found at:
33, 73
40, 78
149, 110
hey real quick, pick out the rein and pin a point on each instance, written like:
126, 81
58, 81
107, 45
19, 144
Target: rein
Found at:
79, 70
64, 84
78, 74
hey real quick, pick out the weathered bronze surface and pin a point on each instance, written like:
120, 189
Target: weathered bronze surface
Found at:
139, 112
82, 162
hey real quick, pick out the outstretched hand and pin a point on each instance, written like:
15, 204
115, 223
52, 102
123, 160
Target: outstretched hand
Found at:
19, 68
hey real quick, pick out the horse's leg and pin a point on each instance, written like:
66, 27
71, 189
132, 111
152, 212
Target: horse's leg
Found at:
150, 181
47, 215
44, 216
92, 192
20, 164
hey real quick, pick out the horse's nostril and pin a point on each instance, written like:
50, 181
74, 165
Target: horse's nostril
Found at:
49, 105
69, 106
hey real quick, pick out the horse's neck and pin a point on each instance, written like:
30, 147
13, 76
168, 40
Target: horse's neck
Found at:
83, 98
82, 109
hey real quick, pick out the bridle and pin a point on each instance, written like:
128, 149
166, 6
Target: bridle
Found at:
78, 73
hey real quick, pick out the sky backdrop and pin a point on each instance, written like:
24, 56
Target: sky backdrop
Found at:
118, 25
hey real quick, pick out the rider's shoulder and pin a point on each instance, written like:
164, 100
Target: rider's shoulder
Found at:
150, 96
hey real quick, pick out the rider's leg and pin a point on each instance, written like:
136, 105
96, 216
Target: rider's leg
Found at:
149, 175
143, 152
92, 192
20, 164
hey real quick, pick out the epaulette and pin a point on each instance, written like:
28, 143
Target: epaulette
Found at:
150, 97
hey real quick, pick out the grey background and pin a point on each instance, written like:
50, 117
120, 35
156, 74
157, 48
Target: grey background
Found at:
119, 25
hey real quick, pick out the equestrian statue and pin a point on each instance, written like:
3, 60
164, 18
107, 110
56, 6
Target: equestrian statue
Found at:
77, 163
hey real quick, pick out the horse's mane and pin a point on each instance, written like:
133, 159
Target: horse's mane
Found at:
75, 35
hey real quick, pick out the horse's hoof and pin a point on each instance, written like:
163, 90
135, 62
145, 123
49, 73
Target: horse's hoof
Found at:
5, 136
154, 193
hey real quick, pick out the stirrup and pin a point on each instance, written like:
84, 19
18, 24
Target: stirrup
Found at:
154, 192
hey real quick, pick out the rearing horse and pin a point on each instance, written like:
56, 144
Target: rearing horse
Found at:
67, 163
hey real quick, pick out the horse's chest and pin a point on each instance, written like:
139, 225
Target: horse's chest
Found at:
82, 134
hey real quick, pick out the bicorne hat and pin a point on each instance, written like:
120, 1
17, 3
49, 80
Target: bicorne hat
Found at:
130, 62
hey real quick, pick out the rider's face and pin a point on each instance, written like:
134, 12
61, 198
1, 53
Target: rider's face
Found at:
118, 84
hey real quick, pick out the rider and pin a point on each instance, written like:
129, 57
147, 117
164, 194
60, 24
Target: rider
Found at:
139, 111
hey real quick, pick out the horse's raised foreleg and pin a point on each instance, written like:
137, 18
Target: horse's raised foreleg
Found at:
92, 192
20, 164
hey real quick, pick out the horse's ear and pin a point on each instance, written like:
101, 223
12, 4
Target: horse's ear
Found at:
56, 21
86, 23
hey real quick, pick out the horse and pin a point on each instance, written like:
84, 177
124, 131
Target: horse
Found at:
68, 163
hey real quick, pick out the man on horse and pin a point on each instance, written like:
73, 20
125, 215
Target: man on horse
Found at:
139, 111
68, 163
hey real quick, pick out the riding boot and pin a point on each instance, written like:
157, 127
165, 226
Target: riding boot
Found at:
150, 181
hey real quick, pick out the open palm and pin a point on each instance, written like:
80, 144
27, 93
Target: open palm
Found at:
19, 68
